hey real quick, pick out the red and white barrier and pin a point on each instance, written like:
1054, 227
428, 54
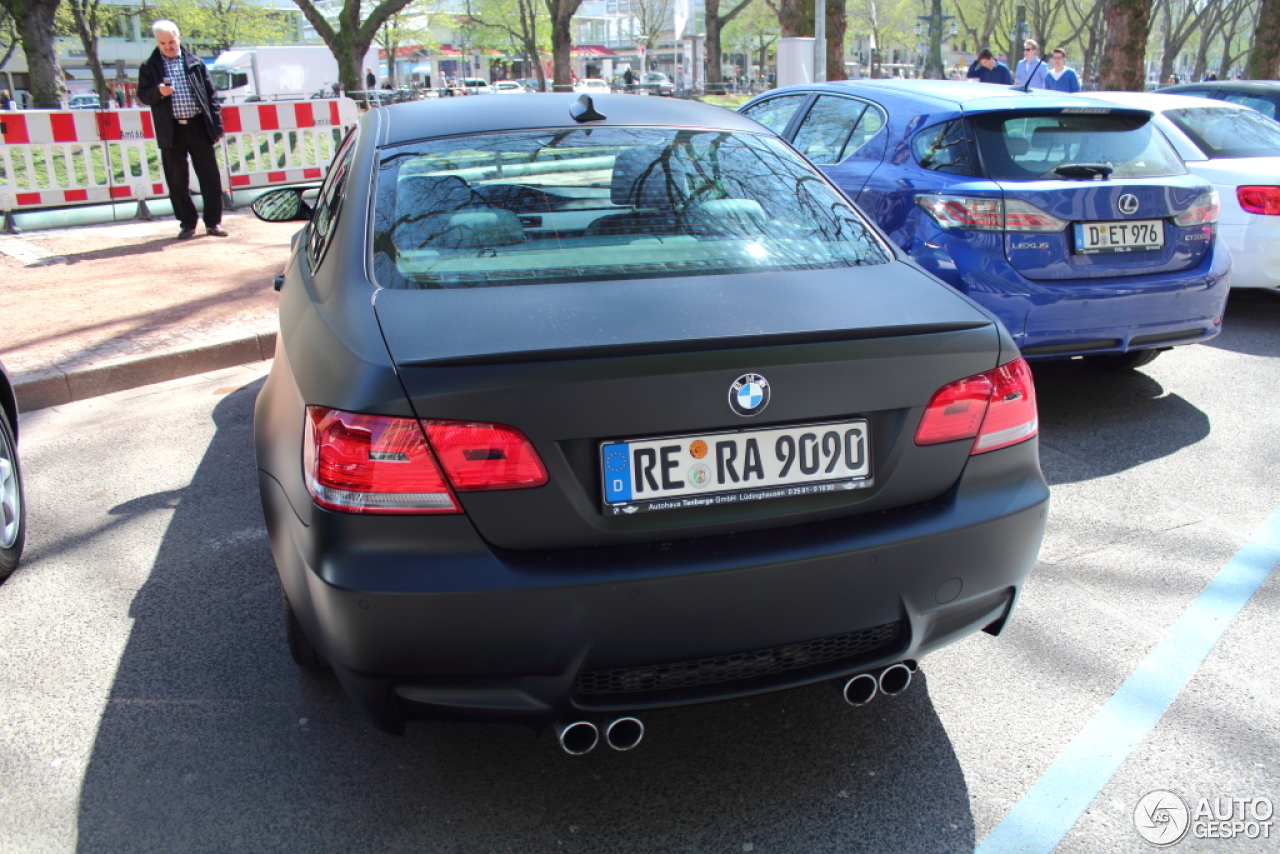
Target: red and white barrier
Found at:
54, 158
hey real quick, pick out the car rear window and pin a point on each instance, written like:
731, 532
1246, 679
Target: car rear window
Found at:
606, 203
1225, 132
1029, 146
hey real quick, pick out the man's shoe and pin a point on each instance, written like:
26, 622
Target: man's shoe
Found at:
217, 231
186, 234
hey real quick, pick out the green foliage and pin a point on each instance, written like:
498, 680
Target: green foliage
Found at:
224, 24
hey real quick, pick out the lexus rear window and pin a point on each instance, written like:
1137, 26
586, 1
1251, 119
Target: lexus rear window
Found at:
1224, 132
606, 203
1050, 146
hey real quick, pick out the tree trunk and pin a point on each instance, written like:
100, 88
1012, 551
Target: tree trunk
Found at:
35, 23
837, 24
562, 12
1264, 61
86, 20
715, 61
1124, 62
795, 18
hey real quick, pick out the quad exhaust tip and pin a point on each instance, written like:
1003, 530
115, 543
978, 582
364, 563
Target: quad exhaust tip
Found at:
894, 679
578, 738
624, 733
860, 690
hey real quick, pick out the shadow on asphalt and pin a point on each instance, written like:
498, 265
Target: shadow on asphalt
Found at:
1251, 324
1092, 416
212, 740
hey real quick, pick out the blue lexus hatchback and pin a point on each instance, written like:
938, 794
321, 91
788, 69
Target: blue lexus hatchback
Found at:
1071, 219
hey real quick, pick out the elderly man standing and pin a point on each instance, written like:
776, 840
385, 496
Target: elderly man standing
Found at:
175, 83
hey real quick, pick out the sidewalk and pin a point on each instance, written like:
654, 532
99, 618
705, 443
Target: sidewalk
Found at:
97, 309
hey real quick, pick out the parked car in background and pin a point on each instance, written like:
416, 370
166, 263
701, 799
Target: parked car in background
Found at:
592, 85
1074, 220
1260, 95
507, 87
475, 86
583, 411
13, 507
655, 83
1238, 151
84, 102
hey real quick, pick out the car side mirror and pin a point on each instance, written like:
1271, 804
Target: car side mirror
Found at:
283, 205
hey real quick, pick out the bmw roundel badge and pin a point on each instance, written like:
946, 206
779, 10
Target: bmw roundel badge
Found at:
749, 395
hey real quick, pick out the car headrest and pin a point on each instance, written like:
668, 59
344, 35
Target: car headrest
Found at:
1017, 146
645, 178
417, 195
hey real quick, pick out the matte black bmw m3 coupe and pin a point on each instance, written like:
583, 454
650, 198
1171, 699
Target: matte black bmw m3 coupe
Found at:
586, 407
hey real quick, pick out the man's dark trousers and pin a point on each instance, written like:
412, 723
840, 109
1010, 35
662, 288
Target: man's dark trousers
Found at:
192, 140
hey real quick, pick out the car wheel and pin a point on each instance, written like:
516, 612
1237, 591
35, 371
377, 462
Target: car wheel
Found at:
1124, 361
304, 654
13, 509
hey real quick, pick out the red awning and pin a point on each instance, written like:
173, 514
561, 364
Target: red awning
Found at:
592, 50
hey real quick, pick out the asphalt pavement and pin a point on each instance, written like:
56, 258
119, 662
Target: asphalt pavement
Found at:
98, 309
148, 702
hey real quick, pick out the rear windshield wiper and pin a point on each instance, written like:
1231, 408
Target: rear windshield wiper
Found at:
1081, 171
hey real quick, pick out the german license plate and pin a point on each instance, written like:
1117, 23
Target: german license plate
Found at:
708, 469
1136, 236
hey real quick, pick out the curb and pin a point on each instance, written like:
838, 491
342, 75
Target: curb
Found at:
46, 387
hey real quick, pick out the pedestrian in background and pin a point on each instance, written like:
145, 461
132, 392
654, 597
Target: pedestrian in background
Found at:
370, 81
1060, 78
1031, 67
175, 83
986, 69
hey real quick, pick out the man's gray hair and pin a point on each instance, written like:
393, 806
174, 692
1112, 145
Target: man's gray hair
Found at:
165, 26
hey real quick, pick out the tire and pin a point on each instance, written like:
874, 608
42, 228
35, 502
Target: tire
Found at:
304, 654
13, 505
1124, 361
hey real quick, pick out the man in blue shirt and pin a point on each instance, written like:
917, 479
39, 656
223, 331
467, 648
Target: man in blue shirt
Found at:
1031, 66
986, 69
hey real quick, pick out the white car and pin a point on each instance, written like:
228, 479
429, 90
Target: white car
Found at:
1238, 150
592, 85
507, 87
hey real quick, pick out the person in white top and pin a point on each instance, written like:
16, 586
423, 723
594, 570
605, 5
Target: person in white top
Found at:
1060, 78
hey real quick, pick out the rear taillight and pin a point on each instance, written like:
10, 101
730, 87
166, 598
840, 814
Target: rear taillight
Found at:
372, 464
379, 464
485, 456
1203, 211
1259, 200
996, 409
978, 214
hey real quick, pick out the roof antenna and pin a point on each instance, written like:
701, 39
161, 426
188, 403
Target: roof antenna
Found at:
1032, 75
583, 110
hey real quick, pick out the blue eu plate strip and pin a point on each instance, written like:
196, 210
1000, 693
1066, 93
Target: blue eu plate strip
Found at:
1055, 803
617, 472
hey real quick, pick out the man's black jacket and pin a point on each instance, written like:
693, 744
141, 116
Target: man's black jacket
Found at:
151, 75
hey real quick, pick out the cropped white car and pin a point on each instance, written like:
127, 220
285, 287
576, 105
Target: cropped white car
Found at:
1238, 150
592, 85
507, 87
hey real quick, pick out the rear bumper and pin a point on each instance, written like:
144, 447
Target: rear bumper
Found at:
421, 618
1064, 318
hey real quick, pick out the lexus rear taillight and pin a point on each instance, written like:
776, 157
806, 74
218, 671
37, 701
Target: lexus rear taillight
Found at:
485, 456
1259, 200
996, 409
979, 214
1203, 211
381, 464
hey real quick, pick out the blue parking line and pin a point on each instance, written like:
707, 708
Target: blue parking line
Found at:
1049, 810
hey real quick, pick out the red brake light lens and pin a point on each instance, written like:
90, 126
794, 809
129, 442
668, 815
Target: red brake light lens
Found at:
1011, 416
998, 407
1203, 211
485, 456
358, 463
1259, 200
955, 412
979, 214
